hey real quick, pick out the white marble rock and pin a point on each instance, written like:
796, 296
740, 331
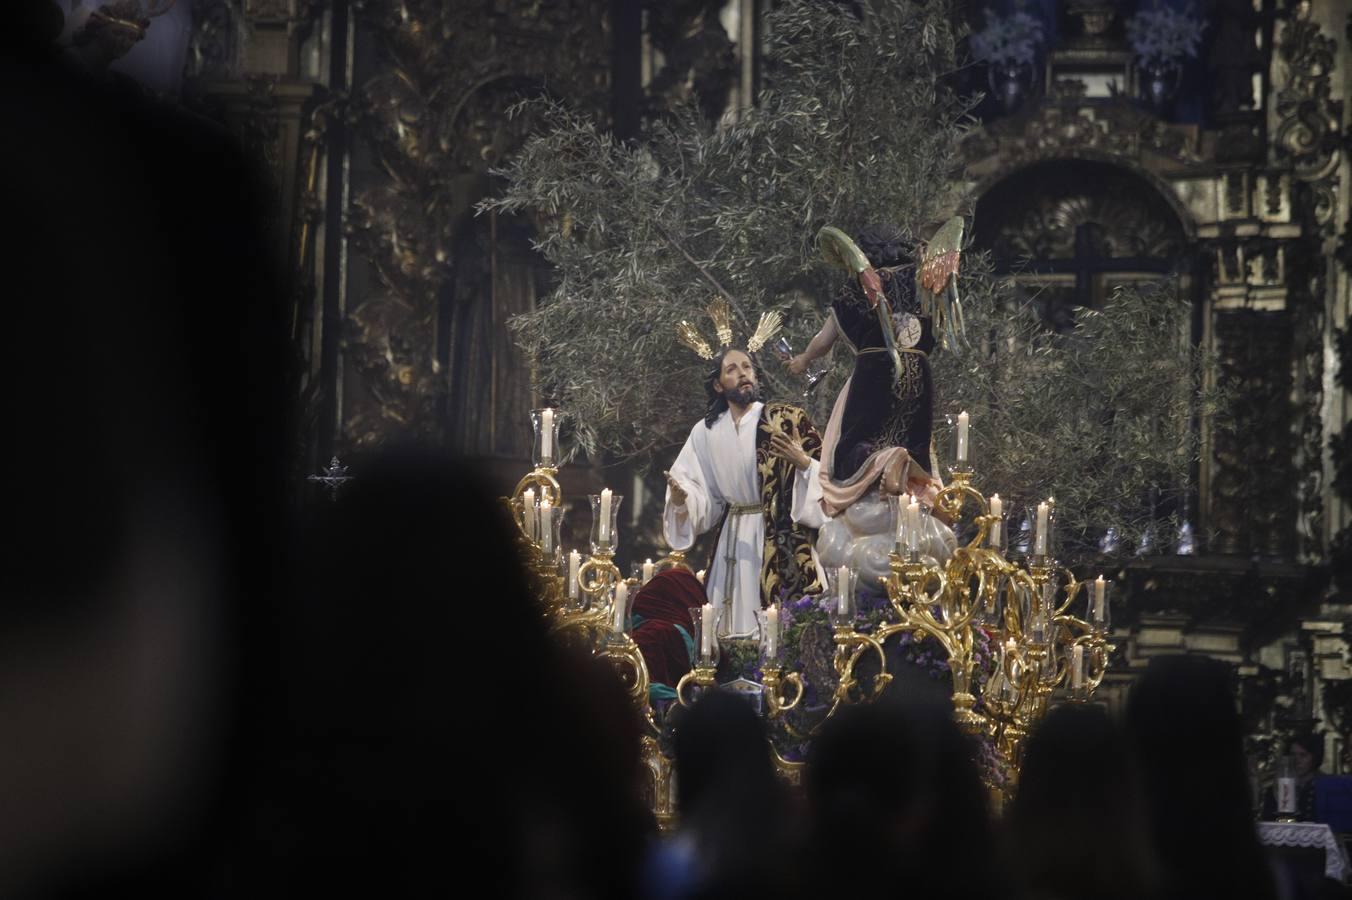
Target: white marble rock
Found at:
862, 537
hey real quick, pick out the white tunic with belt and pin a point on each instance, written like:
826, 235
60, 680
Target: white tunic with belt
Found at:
717, 469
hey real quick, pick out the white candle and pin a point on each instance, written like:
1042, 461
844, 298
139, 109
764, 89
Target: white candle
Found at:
604, 536
997, 509
1287, 803
913, 525
647, 570
636, 504
843, 589
901, 524
574, 564
547, 434
706, 632
1040, 536
546, 525
528, 512
962, 436
1100, 598
772, 632
1077, 667
621, 606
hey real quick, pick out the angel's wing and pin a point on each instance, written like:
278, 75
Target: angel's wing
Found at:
840, 251
937, 283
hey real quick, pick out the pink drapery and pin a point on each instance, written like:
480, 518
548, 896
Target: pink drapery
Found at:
838, 495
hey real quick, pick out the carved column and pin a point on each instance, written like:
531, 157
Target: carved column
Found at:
1252, 509
426, 352
1307, 125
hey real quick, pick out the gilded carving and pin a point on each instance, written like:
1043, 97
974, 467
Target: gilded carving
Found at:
1127, 227
1309, 134
698, 57
434, 116
1307, 281
217, 41
1119, 130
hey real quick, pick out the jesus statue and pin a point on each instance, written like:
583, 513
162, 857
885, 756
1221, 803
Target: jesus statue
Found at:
746, 470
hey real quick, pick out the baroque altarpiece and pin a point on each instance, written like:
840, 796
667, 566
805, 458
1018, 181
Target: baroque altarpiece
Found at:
380, 120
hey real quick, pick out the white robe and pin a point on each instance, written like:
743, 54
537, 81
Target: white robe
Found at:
715, 468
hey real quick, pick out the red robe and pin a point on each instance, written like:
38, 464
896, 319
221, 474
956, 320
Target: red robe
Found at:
662, 604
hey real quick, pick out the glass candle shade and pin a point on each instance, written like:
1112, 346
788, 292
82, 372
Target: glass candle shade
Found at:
545, 445
605, 508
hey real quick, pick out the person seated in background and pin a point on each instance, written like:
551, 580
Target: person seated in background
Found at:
1307, 756
663, 629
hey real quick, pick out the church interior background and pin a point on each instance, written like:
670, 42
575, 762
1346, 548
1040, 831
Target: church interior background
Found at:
380, 122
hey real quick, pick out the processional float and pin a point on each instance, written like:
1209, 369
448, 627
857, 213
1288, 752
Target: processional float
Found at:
1048, 630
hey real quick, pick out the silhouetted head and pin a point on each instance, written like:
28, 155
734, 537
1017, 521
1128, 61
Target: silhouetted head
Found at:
1078, 788
721, 746
1187, 737
405, 725
895, 780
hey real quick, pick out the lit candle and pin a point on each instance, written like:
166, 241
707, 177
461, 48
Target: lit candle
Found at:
913, 525
997, 509
772, 632
547, 434
647, 570
528, 512
621, 606
604, 536
962, 436
1040, 536
546, 525
636, 504
1077, 667
574, 564
1100, 599
1287, 802
706, 632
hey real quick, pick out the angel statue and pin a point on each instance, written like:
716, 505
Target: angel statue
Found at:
878, 440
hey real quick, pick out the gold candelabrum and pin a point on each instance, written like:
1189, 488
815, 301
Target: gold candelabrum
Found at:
781, 692
1020, 610
584, 596
976, 596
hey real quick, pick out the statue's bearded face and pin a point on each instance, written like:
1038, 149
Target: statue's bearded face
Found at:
737, 378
